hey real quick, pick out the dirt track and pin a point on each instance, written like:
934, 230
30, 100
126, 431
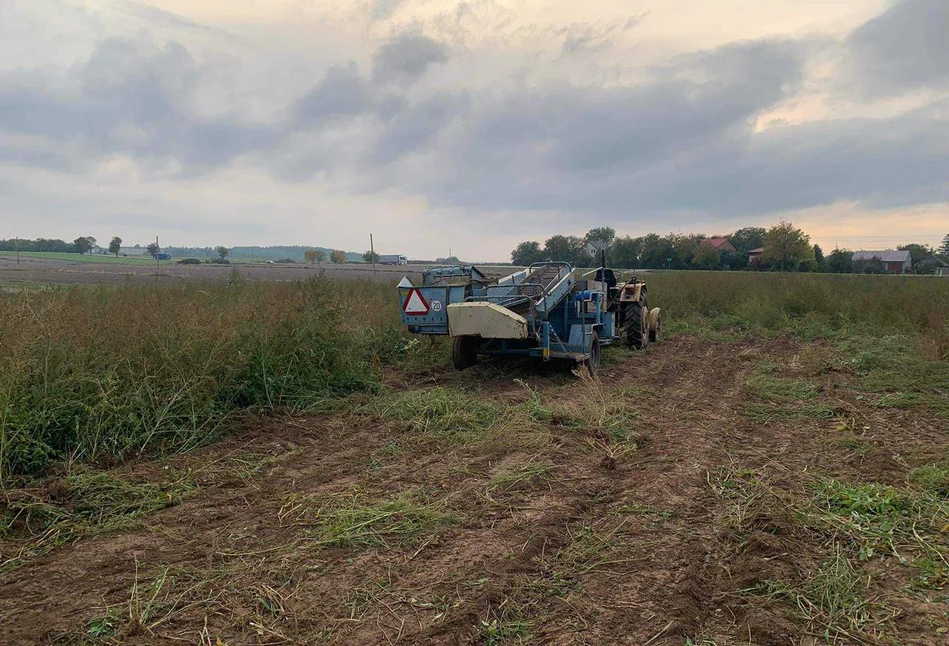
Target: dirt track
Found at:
607, 546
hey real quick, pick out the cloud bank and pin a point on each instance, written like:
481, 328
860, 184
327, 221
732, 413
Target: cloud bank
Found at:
566, 131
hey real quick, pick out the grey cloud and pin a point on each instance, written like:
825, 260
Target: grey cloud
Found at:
130, 99
683, 142
682, 138
880, 162
407, 57
342, 92
414, 128
550, 148
383, 9
905, 48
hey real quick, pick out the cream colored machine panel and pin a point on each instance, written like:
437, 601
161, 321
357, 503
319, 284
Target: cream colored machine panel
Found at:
487, 320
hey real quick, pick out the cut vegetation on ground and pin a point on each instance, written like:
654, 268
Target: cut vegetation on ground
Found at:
263, 463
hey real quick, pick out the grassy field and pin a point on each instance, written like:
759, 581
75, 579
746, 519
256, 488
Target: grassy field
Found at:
262, 463
77, 257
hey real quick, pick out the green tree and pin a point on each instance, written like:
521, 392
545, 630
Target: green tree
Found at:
748, 238
370, 257
707, 257
786, 247
840, 261
734, 260
222, 252
153, 249
314, 255
655, 251
944, 247
526, 253
84, 244
625, 252
603, 234
566, 248
683, 249
338, 257
917, 252
115, 245
927, 266
818, 255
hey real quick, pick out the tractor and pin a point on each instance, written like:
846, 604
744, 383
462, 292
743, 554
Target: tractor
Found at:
542, 311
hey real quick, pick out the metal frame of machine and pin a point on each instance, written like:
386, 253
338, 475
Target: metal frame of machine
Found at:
542, 311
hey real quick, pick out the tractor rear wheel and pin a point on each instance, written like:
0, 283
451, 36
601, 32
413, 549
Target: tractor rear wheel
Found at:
464, 351
637, 325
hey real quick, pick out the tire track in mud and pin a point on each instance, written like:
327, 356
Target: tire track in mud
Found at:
654, 577
670, 588
656, 581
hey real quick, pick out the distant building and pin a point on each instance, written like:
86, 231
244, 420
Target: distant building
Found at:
133, 251
754, 256
724, 245
894, 262
596, 247
942, 262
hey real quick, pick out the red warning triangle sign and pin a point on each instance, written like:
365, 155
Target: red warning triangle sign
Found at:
415, 304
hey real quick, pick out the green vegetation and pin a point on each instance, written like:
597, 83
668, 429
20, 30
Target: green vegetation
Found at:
354, 521
446, 415
83, 503
99, 373
832, 599
95, 372
75, 257
809, 306
782, 398
877, 517
550, 464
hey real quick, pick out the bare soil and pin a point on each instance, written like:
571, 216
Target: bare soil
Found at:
59, 272
606, 547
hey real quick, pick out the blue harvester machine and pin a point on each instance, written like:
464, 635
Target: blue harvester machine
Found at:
543, 311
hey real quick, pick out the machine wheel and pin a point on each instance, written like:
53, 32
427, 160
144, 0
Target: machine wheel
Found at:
464, 351
593, 363
637, 325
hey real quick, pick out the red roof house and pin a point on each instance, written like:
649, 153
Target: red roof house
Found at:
722, 244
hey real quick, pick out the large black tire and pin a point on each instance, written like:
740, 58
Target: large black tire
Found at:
464, 351
637, 325
593, 363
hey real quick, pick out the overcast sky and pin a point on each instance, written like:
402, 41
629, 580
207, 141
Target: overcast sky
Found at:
473, 125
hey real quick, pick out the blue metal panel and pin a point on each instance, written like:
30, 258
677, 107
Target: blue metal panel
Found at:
609, 328
436, 321
581, 338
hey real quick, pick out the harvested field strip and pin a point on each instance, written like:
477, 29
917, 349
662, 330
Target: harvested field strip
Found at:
644, 506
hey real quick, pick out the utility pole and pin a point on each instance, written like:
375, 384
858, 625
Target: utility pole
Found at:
372, 252
157, 256
16, 244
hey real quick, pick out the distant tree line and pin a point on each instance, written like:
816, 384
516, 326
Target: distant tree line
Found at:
672, 251
783, 247
79, 245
